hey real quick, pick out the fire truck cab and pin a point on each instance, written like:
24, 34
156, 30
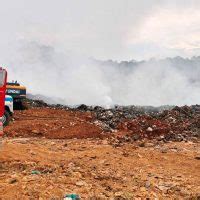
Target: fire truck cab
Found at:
3, 80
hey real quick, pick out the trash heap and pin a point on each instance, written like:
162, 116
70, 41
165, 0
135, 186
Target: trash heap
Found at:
35, 103
167, 123
109, 119
178, 124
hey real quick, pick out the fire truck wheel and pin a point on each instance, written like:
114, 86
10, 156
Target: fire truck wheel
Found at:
6, 118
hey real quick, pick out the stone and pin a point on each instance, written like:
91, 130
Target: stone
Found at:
118, 194
12, 180
142, 189
149, 129
81, 183
35, 131
197, 157
147, 184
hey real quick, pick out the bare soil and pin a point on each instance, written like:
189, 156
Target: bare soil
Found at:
48, 153
53, 123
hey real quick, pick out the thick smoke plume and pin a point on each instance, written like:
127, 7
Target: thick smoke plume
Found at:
71, 79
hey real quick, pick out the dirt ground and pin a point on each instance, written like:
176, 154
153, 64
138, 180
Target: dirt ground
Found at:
48, 153
53, 123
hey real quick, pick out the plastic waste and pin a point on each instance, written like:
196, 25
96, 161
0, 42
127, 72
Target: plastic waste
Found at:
35, 172
72, 197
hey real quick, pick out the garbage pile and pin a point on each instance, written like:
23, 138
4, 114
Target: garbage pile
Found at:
36, 103
112, 117
178, 124
167, 123
136, 122
109, 119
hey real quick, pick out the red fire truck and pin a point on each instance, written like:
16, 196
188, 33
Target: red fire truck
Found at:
3, 81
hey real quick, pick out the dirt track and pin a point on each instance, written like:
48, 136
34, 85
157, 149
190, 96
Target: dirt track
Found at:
90, 167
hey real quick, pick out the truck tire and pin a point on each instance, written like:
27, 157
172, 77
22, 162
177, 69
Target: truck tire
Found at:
6, 118
20, 105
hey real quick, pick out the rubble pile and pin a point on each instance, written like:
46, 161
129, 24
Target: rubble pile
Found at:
178, 124
166, 123
107, 119
110, 118
36, 103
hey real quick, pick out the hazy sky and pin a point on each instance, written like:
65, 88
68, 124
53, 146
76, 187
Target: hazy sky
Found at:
45, 45
104, 29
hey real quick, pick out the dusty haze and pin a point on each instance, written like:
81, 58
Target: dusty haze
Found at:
61, 50
73, 79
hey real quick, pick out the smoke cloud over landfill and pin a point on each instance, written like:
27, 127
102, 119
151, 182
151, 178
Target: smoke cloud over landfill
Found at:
71, 79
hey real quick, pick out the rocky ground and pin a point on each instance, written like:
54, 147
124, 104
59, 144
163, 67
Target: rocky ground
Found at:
120, 153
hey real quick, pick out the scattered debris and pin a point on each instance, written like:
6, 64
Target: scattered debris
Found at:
36, 172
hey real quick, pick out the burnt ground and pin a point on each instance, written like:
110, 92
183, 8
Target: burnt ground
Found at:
48, 152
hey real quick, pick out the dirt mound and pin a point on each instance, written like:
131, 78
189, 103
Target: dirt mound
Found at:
53, 123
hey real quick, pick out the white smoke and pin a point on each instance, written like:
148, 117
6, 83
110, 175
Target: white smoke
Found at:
73, 79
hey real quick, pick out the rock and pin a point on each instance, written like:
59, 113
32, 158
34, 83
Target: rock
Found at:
36, 132
77, 175
118, 194
81, 183
139, 155
102, 162
105, 142
142, 144
197, 157
12, 180
142, 189
163, 150
163, 188
136, 137
93, 157
65, 145
32, 153
147, 184
148, 144
149, 129
83, 107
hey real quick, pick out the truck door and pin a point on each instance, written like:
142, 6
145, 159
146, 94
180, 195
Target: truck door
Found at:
3, 80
